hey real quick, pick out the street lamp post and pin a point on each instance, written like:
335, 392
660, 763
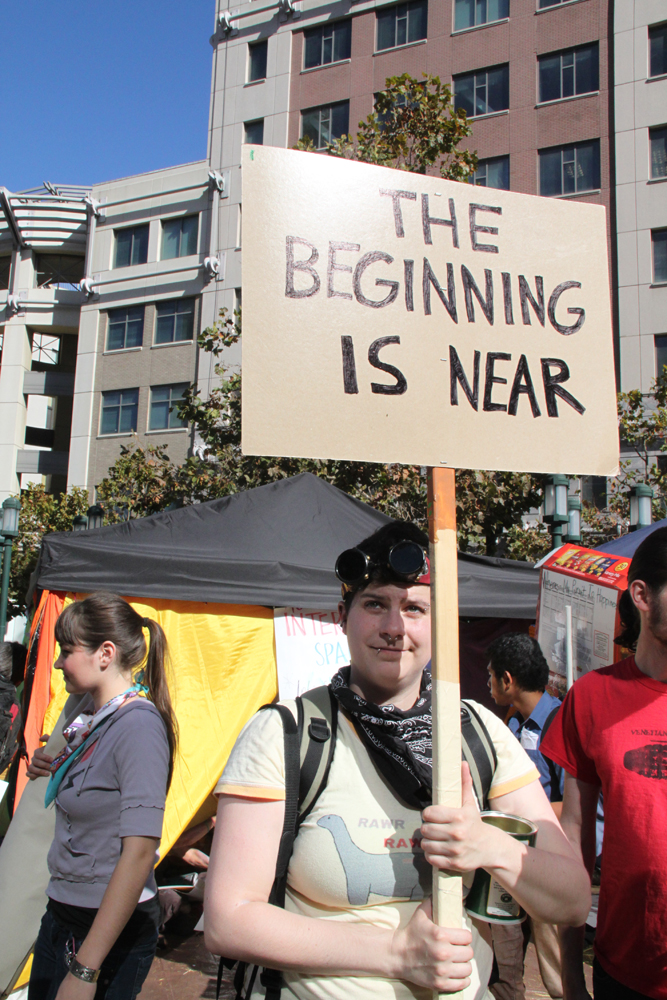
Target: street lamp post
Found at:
8, 531
641, 514
555, 508
574, 520
95, 516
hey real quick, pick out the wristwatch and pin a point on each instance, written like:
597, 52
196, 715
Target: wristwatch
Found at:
81, 971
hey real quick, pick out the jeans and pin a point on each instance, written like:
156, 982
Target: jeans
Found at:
605, 987
123, 971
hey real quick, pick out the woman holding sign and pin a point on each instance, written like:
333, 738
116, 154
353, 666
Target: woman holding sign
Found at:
357, 913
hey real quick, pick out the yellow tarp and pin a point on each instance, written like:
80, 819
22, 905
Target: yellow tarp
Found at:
223, 668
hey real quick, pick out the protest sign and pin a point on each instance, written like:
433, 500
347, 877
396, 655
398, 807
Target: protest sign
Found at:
310, 648
396, 317
590, 583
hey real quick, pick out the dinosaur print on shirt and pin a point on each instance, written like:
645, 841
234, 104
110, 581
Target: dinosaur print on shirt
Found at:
396, 874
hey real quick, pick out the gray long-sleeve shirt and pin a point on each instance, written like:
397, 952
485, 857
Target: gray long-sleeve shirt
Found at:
116, 789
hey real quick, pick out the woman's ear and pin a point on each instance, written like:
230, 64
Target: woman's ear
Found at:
107, 654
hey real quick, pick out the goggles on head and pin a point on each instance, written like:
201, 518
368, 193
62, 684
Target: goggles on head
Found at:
405, 560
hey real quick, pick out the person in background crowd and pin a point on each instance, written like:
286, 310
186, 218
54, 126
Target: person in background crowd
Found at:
9, 708
99, 933
611, 734
357, 918
518, 675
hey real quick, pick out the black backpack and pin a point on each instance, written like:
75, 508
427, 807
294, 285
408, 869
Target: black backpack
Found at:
310, 742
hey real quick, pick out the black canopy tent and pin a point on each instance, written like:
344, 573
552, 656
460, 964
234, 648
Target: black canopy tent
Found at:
274, 546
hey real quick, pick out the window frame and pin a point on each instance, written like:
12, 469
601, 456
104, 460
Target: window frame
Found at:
180, 219
661, 233
574, 146
58, 281
409, 5
560, 53
253, 142
474, 74
254, 46
653, 129
171, 409
662, 25
659, 347
124, 309
177, 312
478, 24
120, 406
324, 107
321, 28
485, 162
143, 226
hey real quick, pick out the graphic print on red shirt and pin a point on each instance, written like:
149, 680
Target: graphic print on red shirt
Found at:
612, 732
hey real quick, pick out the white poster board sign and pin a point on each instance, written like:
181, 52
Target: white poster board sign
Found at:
398, 317
593, 622
310, 648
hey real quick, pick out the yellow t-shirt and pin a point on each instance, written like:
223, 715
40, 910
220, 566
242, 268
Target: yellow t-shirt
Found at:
357, 856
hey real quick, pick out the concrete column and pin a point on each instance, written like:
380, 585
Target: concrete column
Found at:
16, 361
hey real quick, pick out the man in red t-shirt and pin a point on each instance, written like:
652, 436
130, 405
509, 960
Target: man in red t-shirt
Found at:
611, 734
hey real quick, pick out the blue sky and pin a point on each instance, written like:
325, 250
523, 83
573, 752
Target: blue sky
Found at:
98, 89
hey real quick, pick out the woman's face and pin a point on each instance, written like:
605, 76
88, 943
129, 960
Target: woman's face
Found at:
388, 629
80, 668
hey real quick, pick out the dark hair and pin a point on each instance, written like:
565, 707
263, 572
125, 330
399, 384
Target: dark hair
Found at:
522, 658
104, 617
377, 547
19, 660
649, 564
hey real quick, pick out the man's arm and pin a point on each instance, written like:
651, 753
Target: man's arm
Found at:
580, 801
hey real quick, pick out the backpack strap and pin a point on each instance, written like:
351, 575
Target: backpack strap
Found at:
318, 728
555, 795
478, 751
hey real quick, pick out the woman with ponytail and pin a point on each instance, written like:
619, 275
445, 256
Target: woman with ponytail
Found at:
108, 786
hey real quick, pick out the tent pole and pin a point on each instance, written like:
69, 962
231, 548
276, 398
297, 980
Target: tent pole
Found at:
447, 889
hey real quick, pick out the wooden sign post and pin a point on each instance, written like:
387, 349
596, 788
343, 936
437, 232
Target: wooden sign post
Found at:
447, 889
398, 318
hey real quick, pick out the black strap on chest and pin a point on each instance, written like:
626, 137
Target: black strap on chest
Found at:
310, 743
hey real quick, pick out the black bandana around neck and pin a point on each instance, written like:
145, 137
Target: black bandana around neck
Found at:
400, 741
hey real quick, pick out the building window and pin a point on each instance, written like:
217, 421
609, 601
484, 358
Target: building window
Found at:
163, 414
402, 24
257, 61
131, 246
45, 349
566, 74
179, 237
483, 92
657, 45
470, 13
570, 169
326, 124
327, 44
55, 270
549, 3
175, 321
126, 328
254, 132
493, 173
658, 141
659, 241
660, 353
5, 271
119, 411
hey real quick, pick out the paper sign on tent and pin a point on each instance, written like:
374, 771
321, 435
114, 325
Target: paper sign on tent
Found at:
395, 317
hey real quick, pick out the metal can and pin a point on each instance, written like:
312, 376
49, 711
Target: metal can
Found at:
487, 899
